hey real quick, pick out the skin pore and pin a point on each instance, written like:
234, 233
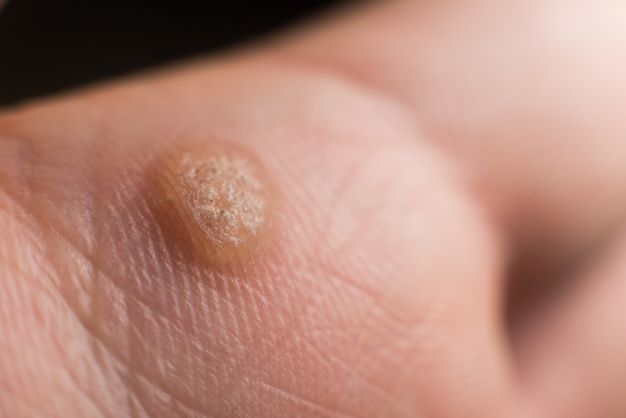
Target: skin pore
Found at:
327, 225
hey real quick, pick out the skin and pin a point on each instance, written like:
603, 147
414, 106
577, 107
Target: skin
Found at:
432, 164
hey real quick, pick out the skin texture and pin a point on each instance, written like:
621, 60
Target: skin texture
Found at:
423, 158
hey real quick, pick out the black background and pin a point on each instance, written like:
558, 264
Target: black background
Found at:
50, 45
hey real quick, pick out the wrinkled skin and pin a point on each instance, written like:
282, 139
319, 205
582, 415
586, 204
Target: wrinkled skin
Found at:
428, 156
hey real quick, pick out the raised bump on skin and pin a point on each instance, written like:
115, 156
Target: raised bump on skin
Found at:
215, 200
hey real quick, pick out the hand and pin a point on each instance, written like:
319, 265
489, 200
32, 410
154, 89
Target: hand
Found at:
419, 158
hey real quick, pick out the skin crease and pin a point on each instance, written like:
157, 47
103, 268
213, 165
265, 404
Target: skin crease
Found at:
419, 151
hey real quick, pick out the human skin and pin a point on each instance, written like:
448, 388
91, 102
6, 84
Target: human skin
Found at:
423, 158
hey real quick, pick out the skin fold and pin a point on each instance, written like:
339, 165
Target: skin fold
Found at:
431, 165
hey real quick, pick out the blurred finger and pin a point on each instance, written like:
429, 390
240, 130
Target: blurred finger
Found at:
526, 95
574, 358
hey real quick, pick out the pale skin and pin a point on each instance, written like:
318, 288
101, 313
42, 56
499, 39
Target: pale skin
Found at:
422, 156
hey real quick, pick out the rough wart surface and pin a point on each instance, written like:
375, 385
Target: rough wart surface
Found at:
221, 199
224, 196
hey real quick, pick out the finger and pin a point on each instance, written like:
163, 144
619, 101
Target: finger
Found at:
527, 96
573, 358
373, 293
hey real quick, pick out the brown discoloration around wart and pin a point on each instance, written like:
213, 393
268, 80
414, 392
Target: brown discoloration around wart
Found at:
215, 201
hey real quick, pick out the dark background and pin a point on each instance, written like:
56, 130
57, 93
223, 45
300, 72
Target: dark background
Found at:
51, 45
